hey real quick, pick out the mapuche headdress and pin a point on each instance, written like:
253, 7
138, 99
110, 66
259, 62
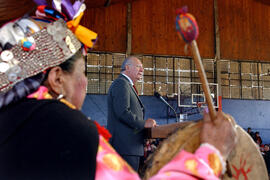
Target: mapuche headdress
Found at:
28, 48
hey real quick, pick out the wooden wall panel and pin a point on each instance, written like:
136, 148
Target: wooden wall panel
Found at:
110, 24
100, 3
11, 9
153, 26
244, 26
244, 29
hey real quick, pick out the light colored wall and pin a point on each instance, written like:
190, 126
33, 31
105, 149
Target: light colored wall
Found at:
250, 113
247, 113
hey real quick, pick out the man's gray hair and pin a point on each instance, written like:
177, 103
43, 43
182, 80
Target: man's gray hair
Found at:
127, 61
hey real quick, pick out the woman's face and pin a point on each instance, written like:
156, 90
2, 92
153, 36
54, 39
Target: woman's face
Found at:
75, 84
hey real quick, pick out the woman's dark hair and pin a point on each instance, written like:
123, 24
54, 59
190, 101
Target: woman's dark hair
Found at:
68, 65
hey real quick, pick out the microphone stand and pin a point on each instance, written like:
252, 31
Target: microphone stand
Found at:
165, 102
177, 120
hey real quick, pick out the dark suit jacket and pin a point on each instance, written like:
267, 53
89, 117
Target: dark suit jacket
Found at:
125, 118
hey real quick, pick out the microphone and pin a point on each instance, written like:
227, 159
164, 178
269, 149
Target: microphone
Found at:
165, 102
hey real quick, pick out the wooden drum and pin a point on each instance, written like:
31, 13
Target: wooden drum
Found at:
245, 161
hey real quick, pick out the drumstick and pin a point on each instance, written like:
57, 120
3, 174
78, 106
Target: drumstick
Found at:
203, 79
187, 28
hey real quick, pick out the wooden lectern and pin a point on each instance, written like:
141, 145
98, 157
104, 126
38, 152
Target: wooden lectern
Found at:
163, 131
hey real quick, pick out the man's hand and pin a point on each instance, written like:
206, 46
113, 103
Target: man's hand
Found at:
150, 123
220, 133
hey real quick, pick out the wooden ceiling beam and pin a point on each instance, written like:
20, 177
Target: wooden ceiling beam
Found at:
103, 3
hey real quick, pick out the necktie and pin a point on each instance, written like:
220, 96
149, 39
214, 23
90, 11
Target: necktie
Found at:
135, 88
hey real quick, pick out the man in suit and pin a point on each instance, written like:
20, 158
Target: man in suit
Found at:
126, 113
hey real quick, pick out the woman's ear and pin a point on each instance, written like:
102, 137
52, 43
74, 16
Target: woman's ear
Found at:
55, 80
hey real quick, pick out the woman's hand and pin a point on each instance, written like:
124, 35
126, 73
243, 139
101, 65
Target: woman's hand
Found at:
220, 133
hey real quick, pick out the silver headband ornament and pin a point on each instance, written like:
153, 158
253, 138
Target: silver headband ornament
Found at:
36, 53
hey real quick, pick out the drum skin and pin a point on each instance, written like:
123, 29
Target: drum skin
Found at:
245, 161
